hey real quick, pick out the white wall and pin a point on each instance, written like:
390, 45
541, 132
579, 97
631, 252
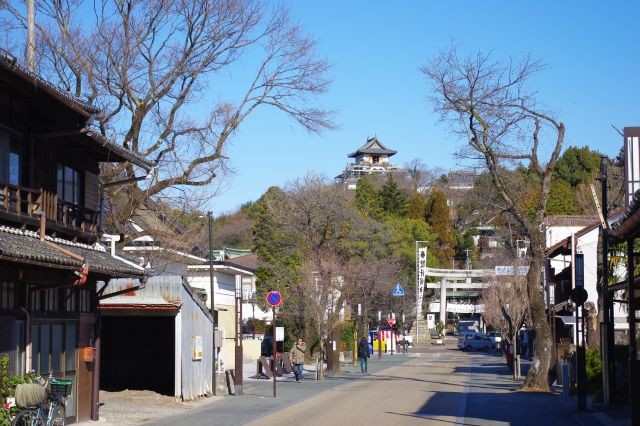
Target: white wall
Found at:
555, 234
224, 286
587, 244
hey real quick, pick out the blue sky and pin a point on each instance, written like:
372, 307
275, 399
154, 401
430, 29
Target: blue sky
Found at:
377, 47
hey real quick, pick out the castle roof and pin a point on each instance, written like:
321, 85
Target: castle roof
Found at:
372, 146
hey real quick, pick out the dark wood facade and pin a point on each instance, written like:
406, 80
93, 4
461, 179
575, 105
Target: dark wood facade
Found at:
49, 215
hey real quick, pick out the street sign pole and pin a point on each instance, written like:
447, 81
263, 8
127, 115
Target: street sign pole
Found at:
274, 299
275, 355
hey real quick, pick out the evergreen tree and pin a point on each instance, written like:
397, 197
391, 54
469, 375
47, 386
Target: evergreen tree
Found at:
439, 217
417, 206
562, 200
367, 199
393, 199
578, 165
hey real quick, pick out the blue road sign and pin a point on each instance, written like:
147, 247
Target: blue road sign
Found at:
397, 290
274, 298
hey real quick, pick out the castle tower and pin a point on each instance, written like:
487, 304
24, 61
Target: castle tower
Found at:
372, 157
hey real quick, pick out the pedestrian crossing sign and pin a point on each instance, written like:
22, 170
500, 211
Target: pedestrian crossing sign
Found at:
397, 290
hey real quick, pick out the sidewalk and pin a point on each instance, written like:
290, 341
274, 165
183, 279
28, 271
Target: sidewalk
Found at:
493, 398
258, 401
137, 407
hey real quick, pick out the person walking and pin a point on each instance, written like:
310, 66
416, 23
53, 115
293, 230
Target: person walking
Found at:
297, 358
363, 354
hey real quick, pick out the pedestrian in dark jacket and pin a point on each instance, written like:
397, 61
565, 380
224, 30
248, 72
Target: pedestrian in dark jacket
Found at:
363, 354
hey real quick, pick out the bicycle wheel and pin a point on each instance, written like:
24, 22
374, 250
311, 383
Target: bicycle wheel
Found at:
57, 415
28, 417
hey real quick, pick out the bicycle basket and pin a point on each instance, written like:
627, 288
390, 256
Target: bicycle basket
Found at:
60, 387
30, 394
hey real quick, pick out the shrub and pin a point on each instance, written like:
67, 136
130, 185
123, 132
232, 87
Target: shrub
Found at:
594, 370
8, 384
347, 334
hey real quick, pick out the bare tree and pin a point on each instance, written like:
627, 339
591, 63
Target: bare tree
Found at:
506, 306
489, 104
333, 255
420, 177
159, 70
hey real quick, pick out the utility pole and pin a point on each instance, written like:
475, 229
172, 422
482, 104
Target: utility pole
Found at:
238, 382
606, 328
213, 298
31, 36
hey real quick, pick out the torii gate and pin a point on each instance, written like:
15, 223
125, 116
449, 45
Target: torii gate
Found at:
456, 278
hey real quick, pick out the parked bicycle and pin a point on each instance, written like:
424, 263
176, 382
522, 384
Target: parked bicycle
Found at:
43, 403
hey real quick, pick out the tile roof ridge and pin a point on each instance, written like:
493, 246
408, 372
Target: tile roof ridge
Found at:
33, 234
9, 61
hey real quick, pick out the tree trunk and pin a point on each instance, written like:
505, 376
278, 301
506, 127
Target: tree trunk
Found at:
537, 378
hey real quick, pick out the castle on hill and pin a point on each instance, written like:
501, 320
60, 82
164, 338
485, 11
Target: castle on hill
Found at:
372, 157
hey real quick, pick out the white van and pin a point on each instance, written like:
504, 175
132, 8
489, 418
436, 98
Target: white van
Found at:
469, 341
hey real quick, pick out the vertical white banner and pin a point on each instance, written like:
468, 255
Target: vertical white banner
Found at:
421, 267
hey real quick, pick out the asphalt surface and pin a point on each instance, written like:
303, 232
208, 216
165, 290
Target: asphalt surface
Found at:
440, 386
431, 386
258, 402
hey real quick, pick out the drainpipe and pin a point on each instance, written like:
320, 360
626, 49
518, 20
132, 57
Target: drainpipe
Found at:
112, 239
95, 392
27, 339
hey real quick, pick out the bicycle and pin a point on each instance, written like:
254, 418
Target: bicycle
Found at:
42, 407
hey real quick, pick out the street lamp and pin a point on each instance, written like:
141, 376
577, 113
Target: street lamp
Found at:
213, 311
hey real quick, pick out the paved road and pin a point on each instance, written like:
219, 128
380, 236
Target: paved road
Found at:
258, 402
439, 386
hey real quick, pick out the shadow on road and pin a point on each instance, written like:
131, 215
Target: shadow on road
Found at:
508, 407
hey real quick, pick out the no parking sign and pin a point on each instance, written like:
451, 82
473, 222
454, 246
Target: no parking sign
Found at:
274, 298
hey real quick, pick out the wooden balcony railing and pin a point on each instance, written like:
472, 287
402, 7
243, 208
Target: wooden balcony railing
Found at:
20, 203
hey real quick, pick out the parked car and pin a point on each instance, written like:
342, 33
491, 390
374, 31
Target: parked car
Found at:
475, 341
496, 338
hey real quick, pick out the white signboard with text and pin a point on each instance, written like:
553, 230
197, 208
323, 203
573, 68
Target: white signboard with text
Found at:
421, 268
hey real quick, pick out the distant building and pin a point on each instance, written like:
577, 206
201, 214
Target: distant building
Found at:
372, 157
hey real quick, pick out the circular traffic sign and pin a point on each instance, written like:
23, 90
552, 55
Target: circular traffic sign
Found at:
579, 295
274, 298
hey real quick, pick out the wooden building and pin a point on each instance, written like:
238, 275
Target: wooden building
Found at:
53, 268
627, 230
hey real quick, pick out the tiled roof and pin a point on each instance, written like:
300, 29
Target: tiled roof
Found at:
628, 223
8, 62
570, 221
128, 155
373, 146
565, 243
25, 246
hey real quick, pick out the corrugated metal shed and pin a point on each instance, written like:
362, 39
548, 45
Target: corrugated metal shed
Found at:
193, 327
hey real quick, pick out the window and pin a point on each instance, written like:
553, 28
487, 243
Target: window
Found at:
71, 298
69, 184
9, 161
7, 295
